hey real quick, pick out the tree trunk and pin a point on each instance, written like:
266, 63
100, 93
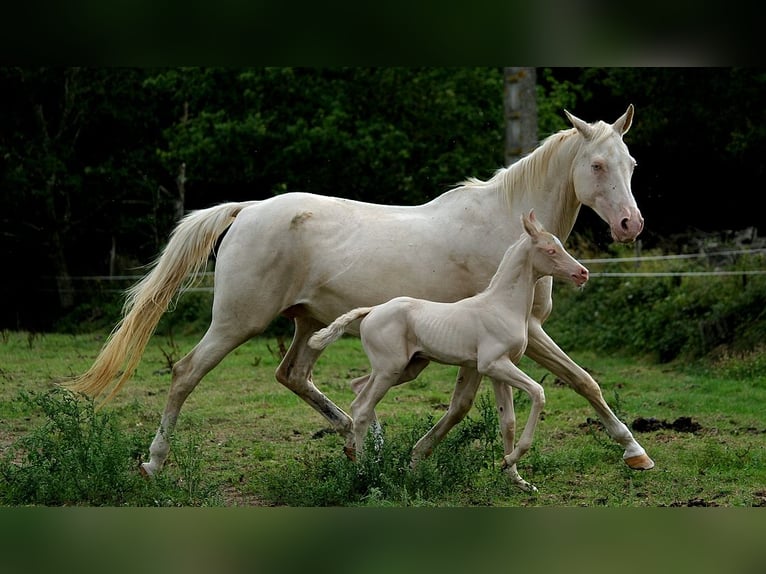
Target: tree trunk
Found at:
520, 105
179, 203
56, 253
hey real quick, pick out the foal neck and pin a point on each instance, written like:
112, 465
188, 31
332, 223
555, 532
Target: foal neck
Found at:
515, 278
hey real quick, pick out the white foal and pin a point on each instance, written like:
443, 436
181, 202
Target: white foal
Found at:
487, 332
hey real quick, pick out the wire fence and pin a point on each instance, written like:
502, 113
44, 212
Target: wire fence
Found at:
718, 272
637, 260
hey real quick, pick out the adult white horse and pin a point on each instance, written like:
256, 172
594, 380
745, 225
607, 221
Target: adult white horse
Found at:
313, 258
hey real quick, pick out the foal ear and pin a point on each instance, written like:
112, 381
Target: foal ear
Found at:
582, 126
623, 123
531, 225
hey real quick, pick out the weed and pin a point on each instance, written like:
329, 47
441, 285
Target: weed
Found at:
383, 475
78, 456
173, 353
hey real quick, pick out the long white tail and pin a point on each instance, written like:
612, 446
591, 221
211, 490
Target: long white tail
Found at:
180, 263
334, 330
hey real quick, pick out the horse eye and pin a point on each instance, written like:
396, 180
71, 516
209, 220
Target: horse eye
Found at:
596, 166
551, 251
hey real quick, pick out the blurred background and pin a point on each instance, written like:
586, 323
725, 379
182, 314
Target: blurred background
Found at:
97, 164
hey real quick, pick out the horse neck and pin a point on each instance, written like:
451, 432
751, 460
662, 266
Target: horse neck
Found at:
513, 283
543, 181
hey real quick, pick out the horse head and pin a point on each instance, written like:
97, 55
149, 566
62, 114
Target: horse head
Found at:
601, 174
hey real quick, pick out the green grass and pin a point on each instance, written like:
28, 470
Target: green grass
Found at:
243, 439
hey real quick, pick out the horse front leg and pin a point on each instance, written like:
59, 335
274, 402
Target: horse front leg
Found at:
462, 399
294, 372
544, 351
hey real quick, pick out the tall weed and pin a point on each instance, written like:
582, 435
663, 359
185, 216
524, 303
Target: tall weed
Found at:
455, 472
78, 456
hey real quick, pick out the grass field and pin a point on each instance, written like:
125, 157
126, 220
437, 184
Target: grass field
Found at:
243, 439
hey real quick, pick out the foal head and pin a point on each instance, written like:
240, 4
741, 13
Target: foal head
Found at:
549, 256
601, 175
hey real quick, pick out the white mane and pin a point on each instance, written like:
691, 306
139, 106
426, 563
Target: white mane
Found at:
527, 175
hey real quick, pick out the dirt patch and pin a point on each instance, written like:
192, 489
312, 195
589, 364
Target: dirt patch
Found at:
681, 424
695, 502
233, 496
322, 432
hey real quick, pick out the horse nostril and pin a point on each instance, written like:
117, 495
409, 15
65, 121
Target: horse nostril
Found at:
624, 223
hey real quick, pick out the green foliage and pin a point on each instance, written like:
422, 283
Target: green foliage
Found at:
99, 311
553, 96
78, 456
377, 134
191, 312
663, 316
463, 469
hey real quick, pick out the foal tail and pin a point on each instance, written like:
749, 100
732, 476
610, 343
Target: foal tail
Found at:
184, 256
334, 330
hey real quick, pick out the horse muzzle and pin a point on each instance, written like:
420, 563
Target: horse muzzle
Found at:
629, 226
581, 277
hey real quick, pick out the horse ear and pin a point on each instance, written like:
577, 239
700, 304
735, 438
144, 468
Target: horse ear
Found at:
623, 123
583, 127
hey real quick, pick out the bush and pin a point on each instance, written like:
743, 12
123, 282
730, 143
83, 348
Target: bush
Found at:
455, 472
667, 316
78, 456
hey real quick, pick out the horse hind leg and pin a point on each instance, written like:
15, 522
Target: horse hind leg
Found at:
294, 372
187, 373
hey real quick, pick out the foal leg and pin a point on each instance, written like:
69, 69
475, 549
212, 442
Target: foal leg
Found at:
410, 373
363, 406
377, 431
507, 418
462, 399
544, 351
294, 372
503, 371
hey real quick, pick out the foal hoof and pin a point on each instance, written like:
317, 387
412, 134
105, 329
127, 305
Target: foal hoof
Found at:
350, 453
526, 486
639, 462
143, 468
515, 478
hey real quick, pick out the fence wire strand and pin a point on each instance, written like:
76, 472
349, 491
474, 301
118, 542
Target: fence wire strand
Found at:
593, 261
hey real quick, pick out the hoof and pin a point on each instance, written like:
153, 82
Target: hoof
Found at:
526, 487
350, 453
516, 479
639, 462
144, 470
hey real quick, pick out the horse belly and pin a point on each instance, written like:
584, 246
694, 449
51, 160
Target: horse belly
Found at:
445, 335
